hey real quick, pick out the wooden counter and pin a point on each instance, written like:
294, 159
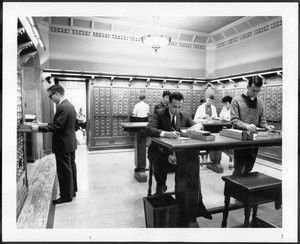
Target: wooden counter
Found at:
138, 128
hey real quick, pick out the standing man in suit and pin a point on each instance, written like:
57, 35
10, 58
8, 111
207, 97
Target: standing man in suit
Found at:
164, 102
63, 143
167, 123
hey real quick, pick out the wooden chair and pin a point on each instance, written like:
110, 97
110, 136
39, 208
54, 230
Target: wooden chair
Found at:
150, 181
252, 189
203, 157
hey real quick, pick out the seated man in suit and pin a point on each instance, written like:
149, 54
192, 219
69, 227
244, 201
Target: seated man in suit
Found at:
166, 123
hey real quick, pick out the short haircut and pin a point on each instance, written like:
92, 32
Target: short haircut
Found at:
176, 95
166, 93
211, 97
227, 99
256, 80
202, 101
56, 88
142, 97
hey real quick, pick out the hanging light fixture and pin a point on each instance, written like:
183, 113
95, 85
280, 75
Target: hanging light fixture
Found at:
156, 39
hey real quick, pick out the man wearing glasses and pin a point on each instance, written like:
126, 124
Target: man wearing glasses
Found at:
64, 143
247, 113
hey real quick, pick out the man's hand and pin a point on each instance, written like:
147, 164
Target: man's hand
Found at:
270, 127
34, 127
195, 127
251, 127
172, 134
172, 159
223, 118
36, 122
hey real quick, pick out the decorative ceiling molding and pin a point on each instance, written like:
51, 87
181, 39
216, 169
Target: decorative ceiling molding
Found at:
267, 27
72, 31
95, 27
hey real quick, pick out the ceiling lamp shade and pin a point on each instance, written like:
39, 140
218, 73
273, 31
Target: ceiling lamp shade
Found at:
156, 39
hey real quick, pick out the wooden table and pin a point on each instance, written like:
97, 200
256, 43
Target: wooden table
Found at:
138, 128
187, 153
214, 126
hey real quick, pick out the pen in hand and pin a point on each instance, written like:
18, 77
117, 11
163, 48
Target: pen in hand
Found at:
176, 132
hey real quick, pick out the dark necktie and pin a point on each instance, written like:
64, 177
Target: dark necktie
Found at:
173, 122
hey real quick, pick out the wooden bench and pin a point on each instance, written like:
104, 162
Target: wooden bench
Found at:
252, 189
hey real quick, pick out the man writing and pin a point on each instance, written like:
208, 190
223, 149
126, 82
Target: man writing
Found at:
247, 113
206, 110
167, 123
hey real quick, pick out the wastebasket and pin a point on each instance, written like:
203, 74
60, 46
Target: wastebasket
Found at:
161, 211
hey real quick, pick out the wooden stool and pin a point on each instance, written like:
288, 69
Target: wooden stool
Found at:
252, 189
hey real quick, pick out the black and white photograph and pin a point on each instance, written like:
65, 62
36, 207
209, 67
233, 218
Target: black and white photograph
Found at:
150, 122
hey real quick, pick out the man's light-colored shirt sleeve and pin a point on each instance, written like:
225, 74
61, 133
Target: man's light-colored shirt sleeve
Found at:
200, 113
214, 111
134, 110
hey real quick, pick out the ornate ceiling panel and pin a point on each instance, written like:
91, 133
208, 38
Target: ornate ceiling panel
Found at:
187, 32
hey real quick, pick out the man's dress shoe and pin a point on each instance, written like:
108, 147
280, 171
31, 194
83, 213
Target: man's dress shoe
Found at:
160, 190
61, 200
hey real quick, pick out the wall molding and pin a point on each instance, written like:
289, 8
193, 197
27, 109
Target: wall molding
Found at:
250, 34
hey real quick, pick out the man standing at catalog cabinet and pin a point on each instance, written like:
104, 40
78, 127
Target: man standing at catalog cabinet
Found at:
63, 143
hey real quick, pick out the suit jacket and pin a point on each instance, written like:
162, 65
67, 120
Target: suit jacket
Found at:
161, 121
63, 128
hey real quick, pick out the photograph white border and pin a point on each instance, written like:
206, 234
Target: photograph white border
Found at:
289, 13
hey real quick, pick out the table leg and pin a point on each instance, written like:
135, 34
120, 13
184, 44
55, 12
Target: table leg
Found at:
215, 157
254, 214
150, 179
188, 185
140, 156
247, 215
278, 200
225, 211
